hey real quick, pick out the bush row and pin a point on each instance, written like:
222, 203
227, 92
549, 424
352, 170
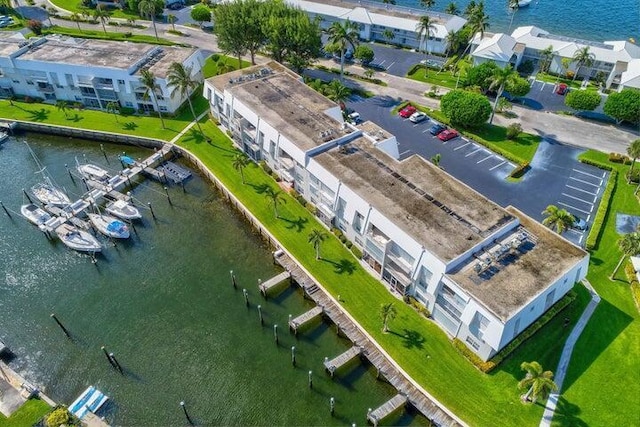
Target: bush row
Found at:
619, 158
598, 222
487, 366
417, 306
633, 282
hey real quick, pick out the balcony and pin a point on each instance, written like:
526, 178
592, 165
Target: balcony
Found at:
45, 87
102, 83
401, 263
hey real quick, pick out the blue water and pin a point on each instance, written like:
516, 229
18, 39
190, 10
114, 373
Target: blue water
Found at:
598, 20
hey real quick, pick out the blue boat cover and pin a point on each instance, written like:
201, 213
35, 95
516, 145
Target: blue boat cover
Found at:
116, 227
127, 160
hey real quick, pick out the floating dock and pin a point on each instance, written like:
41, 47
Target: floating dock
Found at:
89, 401
272, 283
389, 407
305, 318
174, 172
338, 362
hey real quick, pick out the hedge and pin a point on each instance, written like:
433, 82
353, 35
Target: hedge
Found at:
598, 222
633, 282
487, 366
619, 158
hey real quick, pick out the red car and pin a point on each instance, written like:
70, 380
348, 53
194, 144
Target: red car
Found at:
562, 89
407, 111
447, 134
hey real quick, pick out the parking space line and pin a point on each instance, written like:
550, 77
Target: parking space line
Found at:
390, 65
580, 189
382, 62
573, 207
404, 152
473, 152
463, 145
498, 165
585, 182
578, 198
425, 131
586, 173
581, 237
488, 157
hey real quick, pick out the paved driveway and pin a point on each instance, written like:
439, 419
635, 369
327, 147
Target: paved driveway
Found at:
556, 176
397, 61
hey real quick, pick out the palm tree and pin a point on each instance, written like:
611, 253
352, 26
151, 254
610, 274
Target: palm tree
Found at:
500, 78
388, 34
275, 197
387, 313
172, 20
151, 86
75, 17
583, 57
240, 161
436, 159
316, 237
102, 15
149, 8
633, 151
558, 219
427, 4
337, 92
468, 11
60, 105
368, 73
514, 6
114, 108
343, 35
479, 23
452, 9
424, 28
629, 244
546, 55
179, 77
453, 43
538, 382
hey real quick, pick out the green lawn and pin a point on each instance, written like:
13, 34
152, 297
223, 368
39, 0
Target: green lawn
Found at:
76, 6
98, 120
220, 64
424, 351
440, 78
602, 385
98, 33
27, 415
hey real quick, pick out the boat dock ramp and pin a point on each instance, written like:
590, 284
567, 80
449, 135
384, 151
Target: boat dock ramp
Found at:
391, 406
305, 318
273, 283
174, 172
342, 360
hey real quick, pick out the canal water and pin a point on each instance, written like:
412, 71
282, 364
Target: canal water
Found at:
164, 304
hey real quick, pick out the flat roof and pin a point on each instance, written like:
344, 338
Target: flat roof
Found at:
284, 102
519, 275
10, 42
444, 215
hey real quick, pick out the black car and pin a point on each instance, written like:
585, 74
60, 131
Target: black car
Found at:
436, 129
175, 6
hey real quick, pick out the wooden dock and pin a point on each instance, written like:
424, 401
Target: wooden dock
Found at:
384, 365
272, 283
174, 172
341, 360
304, 318
389, 407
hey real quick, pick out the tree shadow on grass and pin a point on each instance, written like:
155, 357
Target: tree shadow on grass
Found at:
38, 115
194, 136
297, 224
342, 266
410, 338
567, 414
75, 118
260, 188
130, 126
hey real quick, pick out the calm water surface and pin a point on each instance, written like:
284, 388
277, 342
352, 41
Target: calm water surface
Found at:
164, 304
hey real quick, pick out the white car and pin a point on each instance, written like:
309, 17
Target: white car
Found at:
354, 118
417, 117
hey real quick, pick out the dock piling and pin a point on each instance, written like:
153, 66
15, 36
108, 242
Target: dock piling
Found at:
186, 414
310, 379
116, 364
4, 208
332, 406
275, 333
106, 354
246, 297
53, 316
233, 280
260, 315
104, 153
27, 194
151, 209
66, 166
166, 190
293, 356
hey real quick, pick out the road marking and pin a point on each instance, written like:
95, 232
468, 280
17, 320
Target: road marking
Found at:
390, 65
542, 86
578, 198
488, 157
383, 61
590, 174
581, 237
473, 152
498, 165
585, 182
463, 145
462, 137
405, 152
573, 207
604, 174
425, 131
580, 189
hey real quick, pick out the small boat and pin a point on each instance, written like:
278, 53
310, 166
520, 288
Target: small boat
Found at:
109, 226
91, 171
123, 210
76, 239
90, 400
34, 214
524, 3
3, 137
48, 194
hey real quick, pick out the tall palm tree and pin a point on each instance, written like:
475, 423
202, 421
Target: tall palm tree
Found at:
583, 57
387, 313
240, 161
538, 382
558, 219
60, 105
113, 108
452, 9
629, 244
546, 55
75, 17
500, 78
468, 11
427, 4
275, 197
337, 92
424, 28
316, 237
343, 36
633, 150
179, 77
453, 42
149, 8
479, 23
151, 86
102, 15
513, 6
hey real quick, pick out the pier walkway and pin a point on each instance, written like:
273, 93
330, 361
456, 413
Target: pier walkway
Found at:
341, 360
376, 357
304, 318
386, 409
273, 283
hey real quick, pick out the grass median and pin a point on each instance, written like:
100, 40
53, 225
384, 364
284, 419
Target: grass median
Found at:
418, 345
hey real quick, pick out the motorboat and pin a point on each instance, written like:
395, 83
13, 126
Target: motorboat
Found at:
3, 137
34, 214
524, 3
91, 171
48, 194
123, 210
109, 226
77, 239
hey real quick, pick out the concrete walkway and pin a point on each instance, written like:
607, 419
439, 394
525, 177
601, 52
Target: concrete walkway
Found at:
563, 365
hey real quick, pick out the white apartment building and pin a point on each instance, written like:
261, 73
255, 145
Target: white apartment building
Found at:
613, 58
91, 72
484, 272
374, 19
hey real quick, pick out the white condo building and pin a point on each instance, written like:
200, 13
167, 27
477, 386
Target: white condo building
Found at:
374, 19
484, 272
619, 61
91, 72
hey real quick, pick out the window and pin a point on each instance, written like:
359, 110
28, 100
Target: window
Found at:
120, 82
29, 82
549, 300
358, 222
423, 278
272, 149
472, 342
162, 108
129, 104
516, 328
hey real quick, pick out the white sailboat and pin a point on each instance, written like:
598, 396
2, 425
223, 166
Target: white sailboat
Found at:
109, 226
123, 210
34, 214
91, 171
77, 239
48, 194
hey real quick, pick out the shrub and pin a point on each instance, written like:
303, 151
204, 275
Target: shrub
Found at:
513, 130
623, 105
466, 109
265, 167
633, 175
311, 208
633, 283
59, 417
35, 26
487, 366
526, 67
336, 231
364, 53
598, 222
342, 238
356, 251
348, 244
583, 100
520, 170
619, 158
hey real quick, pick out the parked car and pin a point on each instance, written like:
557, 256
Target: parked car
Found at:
175, 5
407, 111
436, 129
418, 117
430, 63
447, 134
354, 118
579, 223
562, 89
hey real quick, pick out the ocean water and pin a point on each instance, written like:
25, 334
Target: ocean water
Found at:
598, 20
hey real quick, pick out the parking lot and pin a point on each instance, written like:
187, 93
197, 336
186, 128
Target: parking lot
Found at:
543, 96
556, 176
